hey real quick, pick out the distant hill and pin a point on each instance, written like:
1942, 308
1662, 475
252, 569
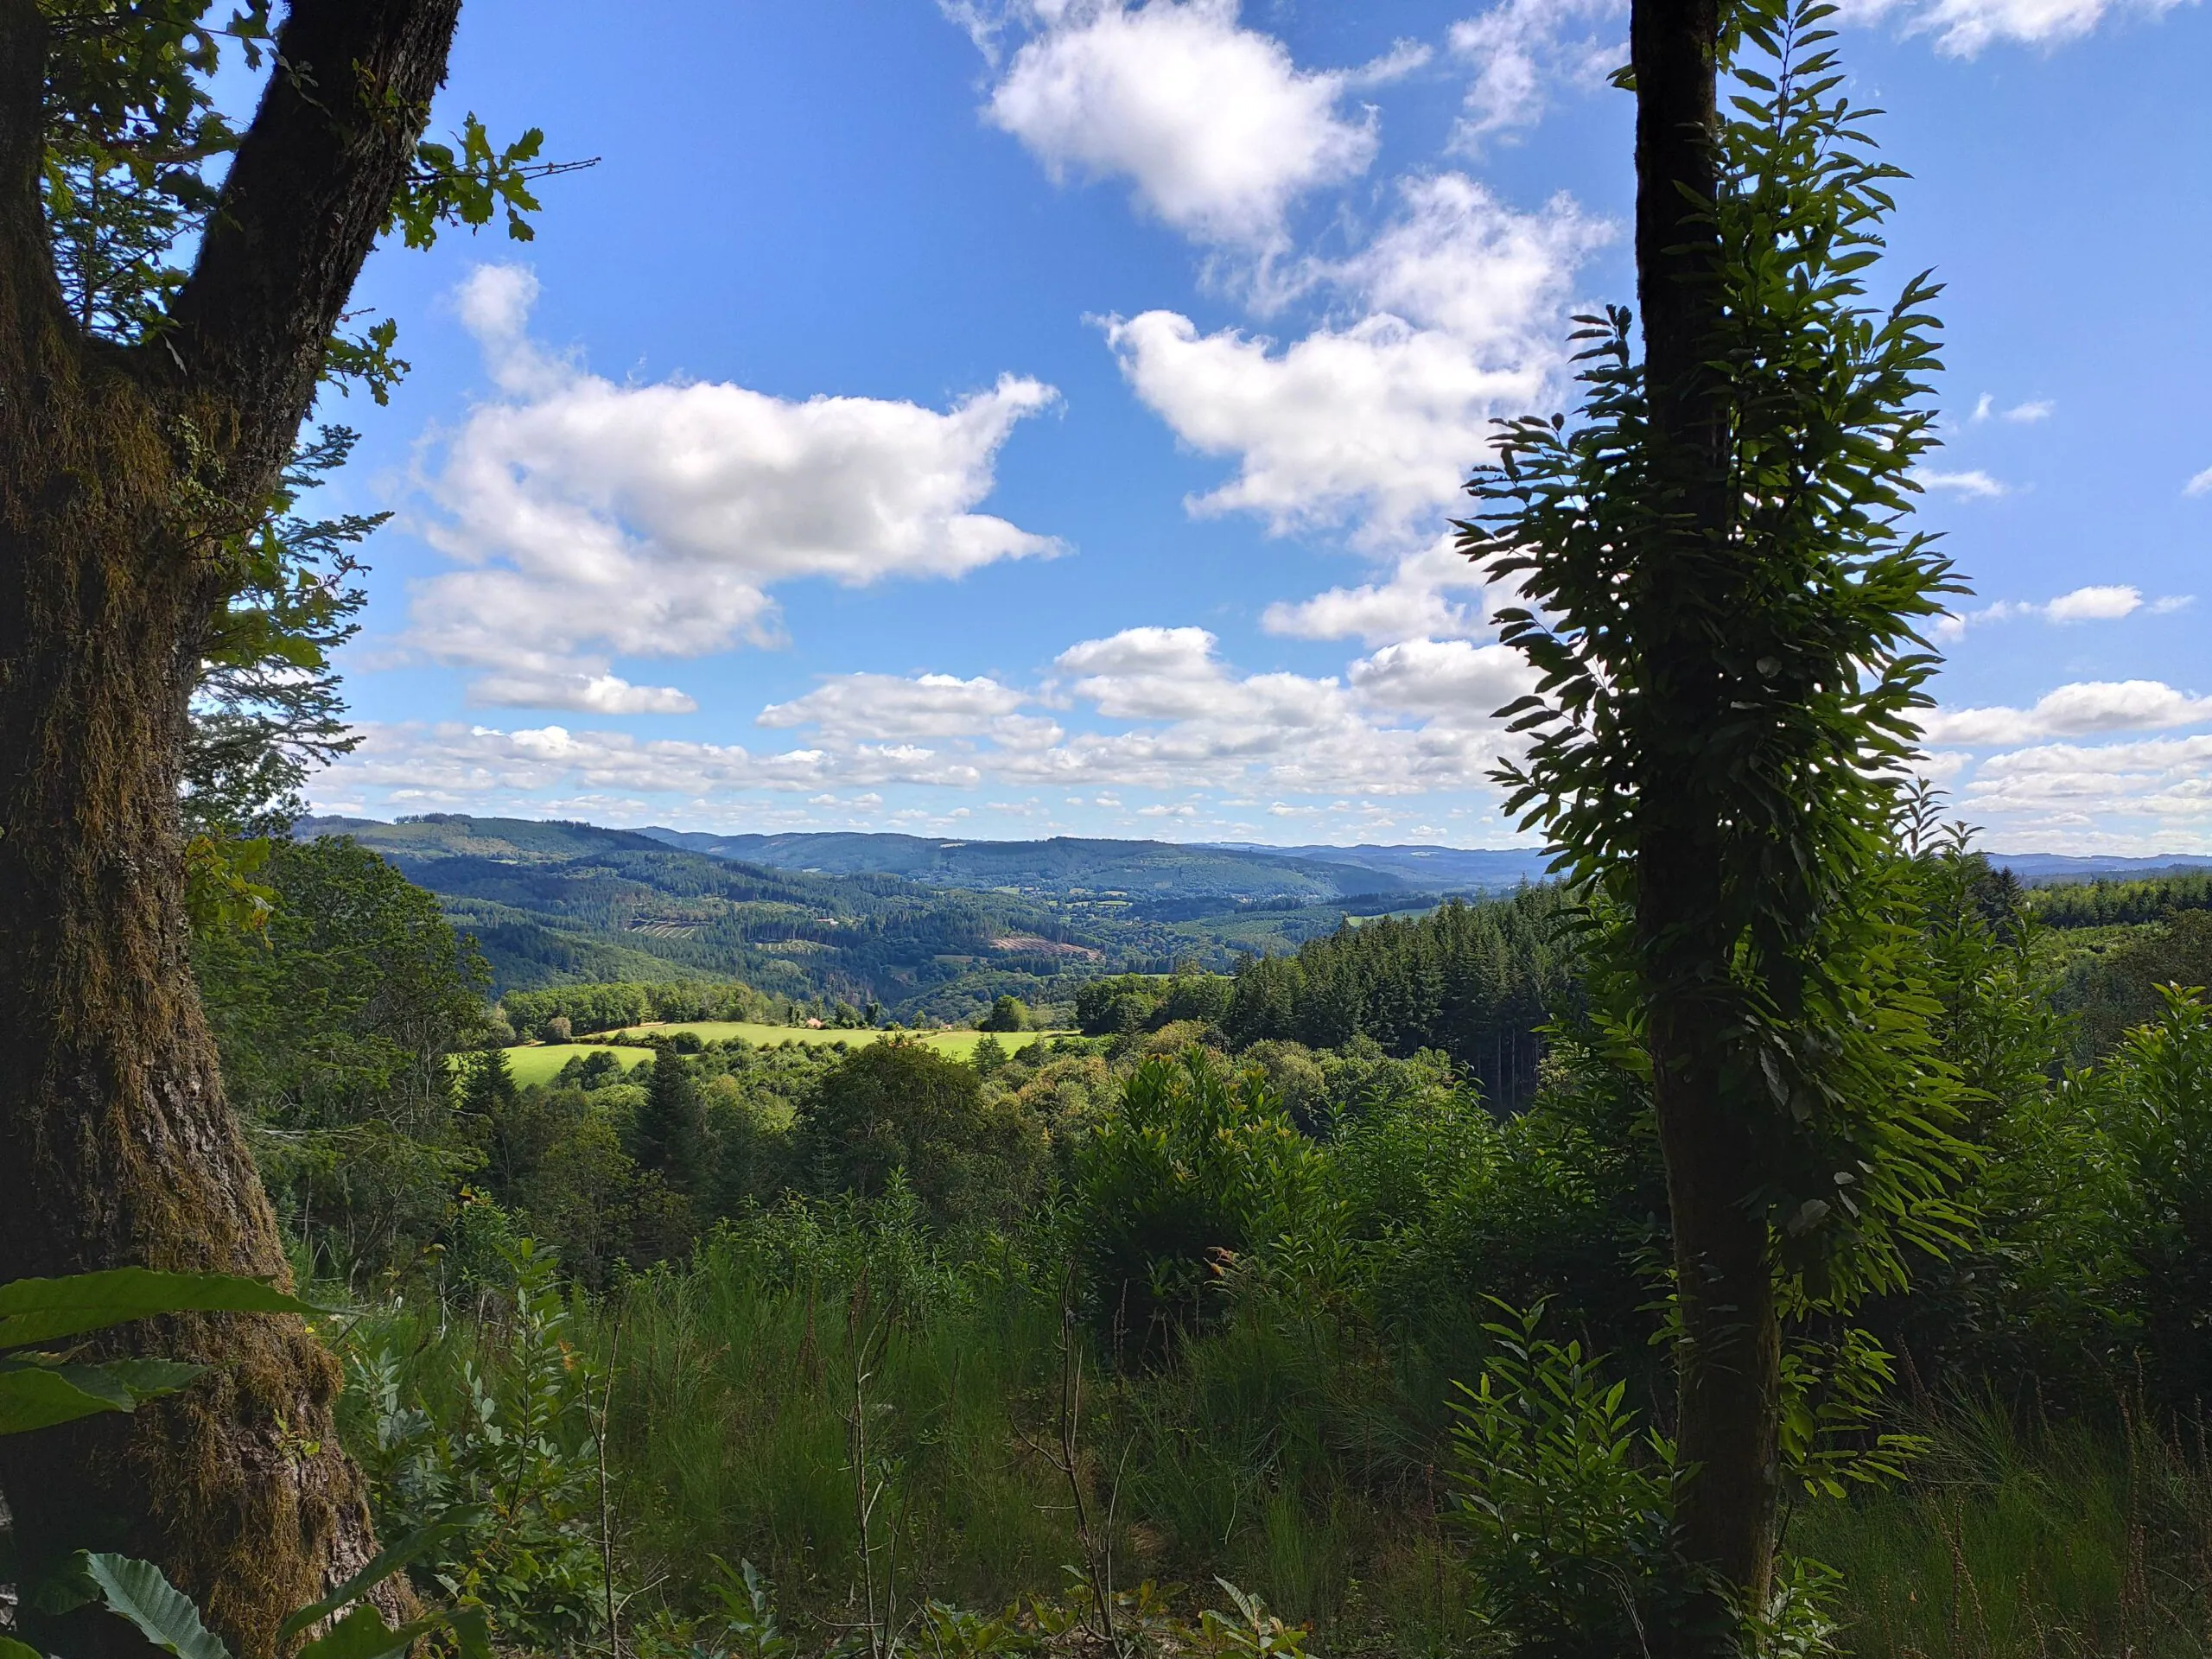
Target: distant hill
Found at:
1134, 872
930, 928
1435, 869
2054, 869
550, 903
934, 927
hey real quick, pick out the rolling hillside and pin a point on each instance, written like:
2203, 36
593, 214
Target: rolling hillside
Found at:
931, 929
1128, 873
1433, 869
553, 902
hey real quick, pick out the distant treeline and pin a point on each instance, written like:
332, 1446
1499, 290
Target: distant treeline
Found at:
610, 1007
1201, 906
2106, 904
1476, 981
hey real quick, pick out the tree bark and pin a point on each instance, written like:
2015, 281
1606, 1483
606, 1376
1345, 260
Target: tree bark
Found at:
1730, 1355
124, 473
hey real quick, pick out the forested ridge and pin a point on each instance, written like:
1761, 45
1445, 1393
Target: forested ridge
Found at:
572, 902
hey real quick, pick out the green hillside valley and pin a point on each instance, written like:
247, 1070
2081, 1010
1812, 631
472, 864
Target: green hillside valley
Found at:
1207, 1255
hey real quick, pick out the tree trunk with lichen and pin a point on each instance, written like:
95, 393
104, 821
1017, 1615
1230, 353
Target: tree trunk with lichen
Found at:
125, 475
1729, 1357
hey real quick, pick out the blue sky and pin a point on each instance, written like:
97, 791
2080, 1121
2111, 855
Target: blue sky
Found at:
1037, 416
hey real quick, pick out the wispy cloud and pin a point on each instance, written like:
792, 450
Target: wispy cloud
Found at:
2102, 603
2038, 409
1963, 29
1524, 52
1975, 483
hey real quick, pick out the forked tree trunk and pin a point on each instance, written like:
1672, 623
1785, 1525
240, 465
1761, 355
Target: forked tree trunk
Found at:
122, 474
1730, 1358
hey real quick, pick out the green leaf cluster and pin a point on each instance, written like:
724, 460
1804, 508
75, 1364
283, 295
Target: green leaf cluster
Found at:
497, 1490
1744, 700
41, 1386
469, 184
1564, 1498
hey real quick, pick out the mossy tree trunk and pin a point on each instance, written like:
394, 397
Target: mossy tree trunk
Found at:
125, 475
1730, 1355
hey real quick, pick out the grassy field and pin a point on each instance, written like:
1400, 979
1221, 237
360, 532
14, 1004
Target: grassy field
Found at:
960, 1043
537, 1062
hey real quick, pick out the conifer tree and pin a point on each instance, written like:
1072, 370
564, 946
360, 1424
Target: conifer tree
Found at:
670, 1135
488, 1085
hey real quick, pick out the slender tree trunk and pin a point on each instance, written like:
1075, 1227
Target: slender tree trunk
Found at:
1729, 1363
122, 473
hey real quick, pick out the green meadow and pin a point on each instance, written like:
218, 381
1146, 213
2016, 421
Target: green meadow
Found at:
537, 1062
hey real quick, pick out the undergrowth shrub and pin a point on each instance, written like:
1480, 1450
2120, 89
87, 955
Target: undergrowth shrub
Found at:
1194, 1168
2158, 1099
1565, 1499
490, 1424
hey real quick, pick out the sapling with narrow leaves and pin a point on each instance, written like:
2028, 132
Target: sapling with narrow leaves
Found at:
1723, 598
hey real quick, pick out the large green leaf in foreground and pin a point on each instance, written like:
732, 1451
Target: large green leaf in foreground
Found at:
40, 1310
139, 1592
38, 1392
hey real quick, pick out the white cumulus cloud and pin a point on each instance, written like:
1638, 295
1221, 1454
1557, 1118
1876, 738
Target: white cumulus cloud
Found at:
2095, 604
1377, 419
592, 519
1457, 259
1454, 681
1411, 604
1160, 710
1214, 123
2080, 710
1381, 419
2151, 795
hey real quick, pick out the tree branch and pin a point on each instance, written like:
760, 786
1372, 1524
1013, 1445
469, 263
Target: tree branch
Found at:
304, 201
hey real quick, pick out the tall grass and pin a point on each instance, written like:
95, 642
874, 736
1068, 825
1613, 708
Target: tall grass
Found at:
733, 1430
2030, 1539
1288, 1450
1285, 1454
